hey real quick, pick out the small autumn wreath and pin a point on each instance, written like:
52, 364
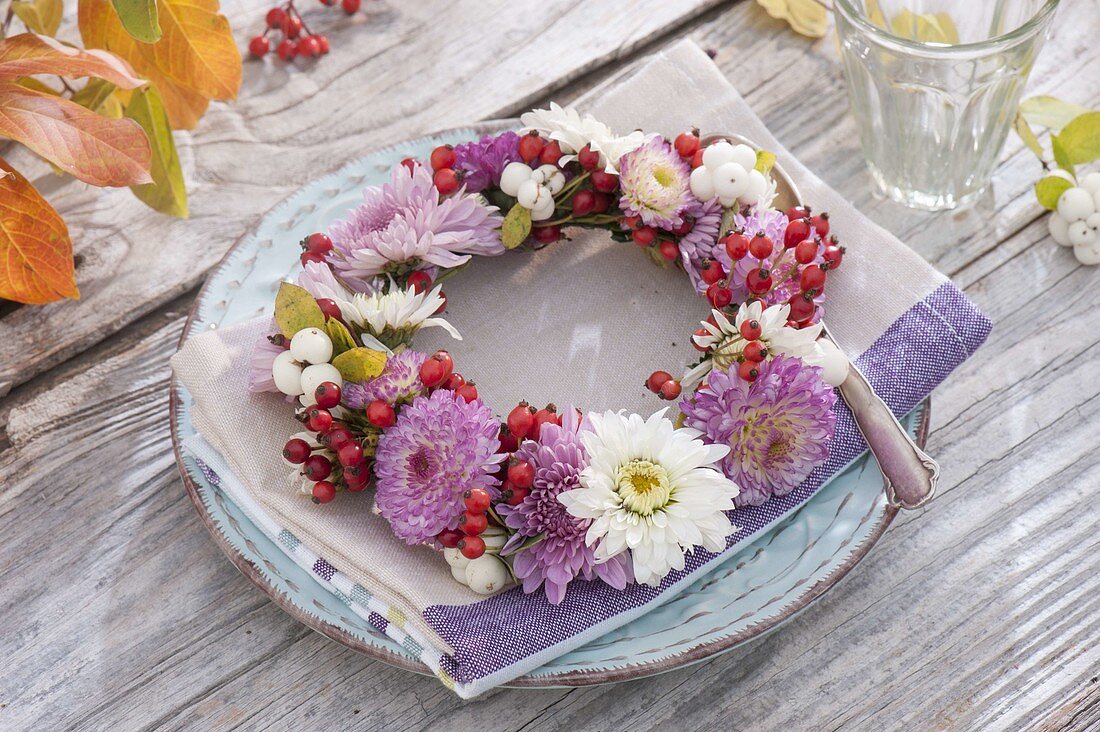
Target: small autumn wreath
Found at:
543, 497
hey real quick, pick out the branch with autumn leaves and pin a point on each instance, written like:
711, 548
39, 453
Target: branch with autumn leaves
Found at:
103, 114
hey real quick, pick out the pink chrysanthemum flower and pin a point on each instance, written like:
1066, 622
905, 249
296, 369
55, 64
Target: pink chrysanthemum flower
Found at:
561, 556
777, 427
655, 184
405, 225
400, 379
440, 447
701, 242
263, 358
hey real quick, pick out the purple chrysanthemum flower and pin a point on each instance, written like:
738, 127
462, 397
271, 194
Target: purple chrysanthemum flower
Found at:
561, 556
483, 161
701, 242
778, 427
655, 184
405, 224
400, 379
439, 447
263, 358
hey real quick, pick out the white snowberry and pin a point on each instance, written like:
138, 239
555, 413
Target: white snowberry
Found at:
552, 177
531, 194
758, 188
722, 152
287, 374
311, 345
702, 187
513, 176
455, 558
1088, 253
1075, 204
494, 538
486, 574
728, 173
459, 573
315, 375
1080, 233
1059, 229
1091, 182
731, 181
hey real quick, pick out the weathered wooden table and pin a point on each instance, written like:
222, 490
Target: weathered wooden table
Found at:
119, 612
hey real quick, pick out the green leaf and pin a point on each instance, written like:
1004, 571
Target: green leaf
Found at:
295, 309
340, 335
764, 161
516, 227
1080, 138
167, 192
139, 18
96, 96
360, 364
1049, 189
1060, 155
1046, 111
1023, 129
40, 16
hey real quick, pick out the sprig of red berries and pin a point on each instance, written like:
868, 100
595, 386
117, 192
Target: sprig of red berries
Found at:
294, 38
338, 460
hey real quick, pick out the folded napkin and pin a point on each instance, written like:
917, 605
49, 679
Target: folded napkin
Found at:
903, 324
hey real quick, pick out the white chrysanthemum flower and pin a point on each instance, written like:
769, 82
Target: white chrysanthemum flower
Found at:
573, 132
652, 490
400, 312
726, 343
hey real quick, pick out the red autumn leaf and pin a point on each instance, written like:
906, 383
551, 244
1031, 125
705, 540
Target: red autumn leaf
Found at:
36, 255
95, 149
27, 54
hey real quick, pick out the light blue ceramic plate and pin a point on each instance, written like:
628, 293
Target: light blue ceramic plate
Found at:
750, 594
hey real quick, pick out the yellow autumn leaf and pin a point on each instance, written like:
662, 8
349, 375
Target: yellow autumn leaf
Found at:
195, 61
807, 17
40, 16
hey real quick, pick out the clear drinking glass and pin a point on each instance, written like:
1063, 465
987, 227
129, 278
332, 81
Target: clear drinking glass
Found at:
934, 86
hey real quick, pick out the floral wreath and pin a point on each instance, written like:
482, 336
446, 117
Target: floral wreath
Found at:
544, 497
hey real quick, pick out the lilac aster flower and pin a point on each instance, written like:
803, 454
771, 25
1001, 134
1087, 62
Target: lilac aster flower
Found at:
778, 427
483, 161
561, 556
263, 358
702, 241
440, 447
400, 379
654, 180
405, 225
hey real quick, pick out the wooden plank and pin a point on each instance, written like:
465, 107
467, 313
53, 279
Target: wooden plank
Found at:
982, 610
396, 74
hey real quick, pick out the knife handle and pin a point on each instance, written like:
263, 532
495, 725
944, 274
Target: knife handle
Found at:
908, 472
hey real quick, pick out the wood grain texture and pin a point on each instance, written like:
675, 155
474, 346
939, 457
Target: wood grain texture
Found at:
981, 611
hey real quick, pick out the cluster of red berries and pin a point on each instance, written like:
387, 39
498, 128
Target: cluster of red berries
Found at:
807, 240
335, 439
663, 385
438, 372
471, 525
297, 38
689, 147
315, 247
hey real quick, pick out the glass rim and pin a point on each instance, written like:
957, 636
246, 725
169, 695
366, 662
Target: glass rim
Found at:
848, 10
